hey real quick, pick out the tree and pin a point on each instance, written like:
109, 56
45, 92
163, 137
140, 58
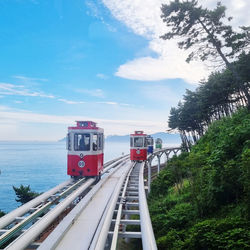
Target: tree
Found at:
217, 97
204, 31
2, 213
24, 194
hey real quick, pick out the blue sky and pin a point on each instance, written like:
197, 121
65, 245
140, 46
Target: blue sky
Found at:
62, 61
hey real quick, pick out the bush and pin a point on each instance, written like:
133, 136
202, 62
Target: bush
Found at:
245, 163
229, 233
172, 240
180, 216
218, 179
2, 213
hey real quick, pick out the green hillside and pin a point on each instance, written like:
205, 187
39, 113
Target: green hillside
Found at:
201, 200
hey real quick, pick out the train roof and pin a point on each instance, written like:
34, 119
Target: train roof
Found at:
138, 133
85, 125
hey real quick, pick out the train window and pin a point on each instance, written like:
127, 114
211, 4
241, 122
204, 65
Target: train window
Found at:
82, 142
68, 142
138, 141
94, 142
100, 141
131, 142
145, 142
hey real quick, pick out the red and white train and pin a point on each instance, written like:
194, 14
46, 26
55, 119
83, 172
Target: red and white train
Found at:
85, 145
138, 146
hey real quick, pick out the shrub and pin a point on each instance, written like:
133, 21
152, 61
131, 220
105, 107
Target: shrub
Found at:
172, 240
229, 233
180, 216
2, 213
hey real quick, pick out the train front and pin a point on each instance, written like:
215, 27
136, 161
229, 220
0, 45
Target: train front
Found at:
138, 146
85, 149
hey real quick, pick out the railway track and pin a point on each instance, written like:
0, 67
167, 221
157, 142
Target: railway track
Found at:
35, 216
105, 215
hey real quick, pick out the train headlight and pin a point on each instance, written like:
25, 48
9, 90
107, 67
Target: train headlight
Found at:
81, 164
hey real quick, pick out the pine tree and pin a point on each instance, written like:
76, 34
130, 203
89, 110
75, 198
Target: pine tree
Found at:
24, 194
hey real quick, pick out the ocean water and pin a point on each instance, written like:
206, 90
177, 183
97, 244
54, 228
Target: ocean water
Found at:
42, 165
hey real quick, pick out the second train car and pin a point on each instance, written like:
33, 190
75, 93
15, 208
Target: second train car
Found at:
85, 150
138, 146
150, 144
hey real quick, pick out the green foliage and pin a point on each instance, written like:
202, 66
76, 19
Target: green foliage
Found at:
24, 194
208, 34
218, 181
203, 30
228, 233
201, 200
180, 216
174, 173
245, 177
214, 99
2, 213
173, 239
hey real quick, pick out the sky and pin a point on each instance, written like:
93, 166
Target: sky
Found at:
99, 60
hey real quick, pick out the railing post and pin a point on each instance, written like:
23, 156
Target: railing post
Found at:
159, 164
167, 154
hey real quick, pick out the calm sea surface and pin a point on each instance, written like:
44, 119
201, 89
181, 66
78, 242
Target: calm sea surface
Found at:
42, 165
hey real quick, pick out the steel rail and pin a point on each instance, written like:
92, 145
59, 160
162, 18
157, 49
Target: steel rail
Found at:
114, 160
148, 239
32, 233
100, 237
10, 217
115, 164
119, 213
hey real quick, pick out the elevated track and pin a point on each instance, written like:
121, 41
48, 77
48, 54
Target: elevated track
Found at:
85, 214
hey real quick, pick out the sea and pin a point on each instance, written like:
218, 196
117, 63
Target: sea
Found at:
41, 165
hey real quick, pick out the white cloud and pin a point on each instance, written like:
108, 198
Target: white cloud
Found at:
143, 18
108, 103
12, 89
29, 79
125, 104
155, 69
20, 120
70, 102
92, 92
102, 76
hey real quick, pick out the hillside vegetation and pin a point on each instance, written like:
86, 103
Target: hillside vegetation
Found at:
201, 200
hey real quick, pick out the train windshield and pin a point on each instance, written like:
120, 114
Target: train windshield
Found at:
138, 141
82, 142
